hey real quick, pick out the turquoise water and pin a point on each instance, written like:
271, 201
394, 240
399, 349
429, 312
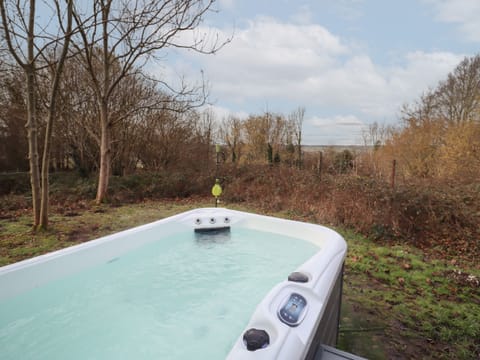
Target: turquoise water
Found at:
183, 297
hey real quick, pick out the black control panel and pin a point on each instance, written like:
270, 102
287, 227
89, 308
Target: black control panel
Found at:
293, 309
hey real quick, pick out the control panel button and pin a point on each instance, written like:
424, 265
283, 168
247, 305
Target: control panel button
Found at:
255, 339
298, 277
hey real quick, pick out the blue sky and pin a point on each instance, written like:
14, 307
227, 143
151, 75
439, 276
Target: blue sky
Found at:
348, 62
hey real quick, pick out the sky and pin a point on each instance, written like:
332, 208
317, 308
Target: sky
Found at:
349, 63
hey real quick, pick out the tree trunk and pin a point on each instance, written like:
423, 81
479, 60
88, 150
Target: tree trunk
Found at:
45, 186
105, 154
299, 149
51, 117
33, 145
32, 130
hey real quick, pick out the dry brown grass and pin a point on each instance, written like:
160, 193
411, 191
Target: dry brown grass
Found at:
433, 216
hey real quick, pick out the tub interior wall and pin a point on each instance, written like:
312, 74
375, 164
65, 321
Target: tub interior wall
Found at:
27, 274
304, 231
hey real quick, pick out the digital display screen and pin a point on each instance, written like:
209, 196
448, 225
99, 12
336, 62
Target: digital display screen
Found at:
291, 312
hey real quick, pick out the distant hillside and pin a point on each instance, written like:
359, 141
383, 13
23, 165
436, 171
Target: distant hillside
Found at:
337, 148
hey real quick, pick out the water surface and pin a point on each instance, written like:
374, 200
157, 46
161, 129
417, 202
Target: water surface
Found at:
183, 297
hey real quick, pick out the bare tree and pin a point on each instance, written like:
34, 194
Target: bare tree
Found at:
439, 131
204, 135
58, 65
78, 112
256, 130
454, 101
121, 38
458, 97
30, 48
296, 123
231, 133
166, 136
13, 142
264, 136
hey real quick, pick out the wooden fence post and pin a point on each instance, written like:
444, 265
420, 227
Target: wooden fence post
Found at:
319, 165
392, 180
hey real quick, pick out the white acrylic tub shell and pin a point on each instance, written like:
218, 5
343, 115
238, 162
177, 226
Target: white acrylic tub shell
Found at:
285, 342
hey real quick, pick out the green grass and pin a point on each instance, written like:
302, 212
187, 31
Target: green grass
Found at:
425, 311
398, 302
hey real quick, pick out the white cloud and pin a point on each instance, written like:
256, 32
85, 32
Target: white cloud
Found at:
286, 65
422, 70
266, 43
221, 113
355, 83
303, 64
269, 58
376, 91
465, 13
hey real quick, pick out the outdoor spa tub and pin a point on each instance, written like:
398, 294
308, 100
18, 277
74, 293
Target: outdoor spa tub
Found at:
205, 284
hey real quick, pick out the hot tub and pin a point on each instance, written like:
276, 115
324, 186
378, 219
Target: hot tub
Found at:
182, 287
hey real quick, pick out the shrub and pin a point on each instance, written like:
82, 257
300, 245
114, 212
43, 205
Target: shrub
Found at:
423, 214
14, 183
